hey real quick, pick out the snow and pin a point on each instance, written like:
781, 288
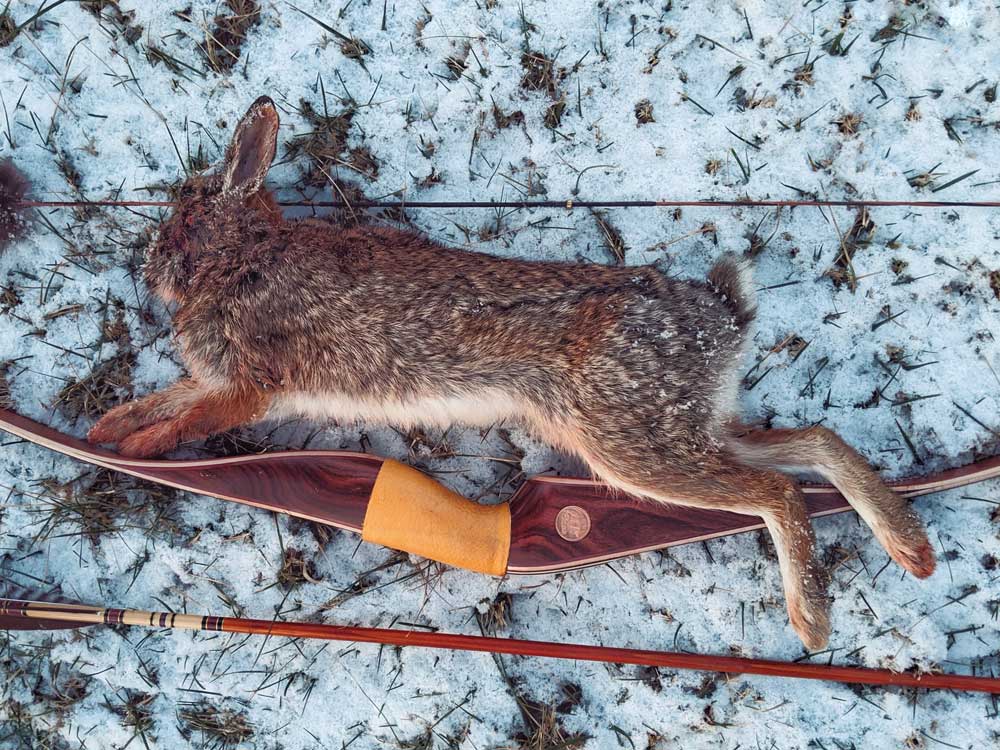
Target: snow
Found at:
69, 87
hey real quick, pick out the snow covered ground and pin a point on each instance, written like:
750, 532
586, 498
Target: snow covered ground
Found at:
896, 349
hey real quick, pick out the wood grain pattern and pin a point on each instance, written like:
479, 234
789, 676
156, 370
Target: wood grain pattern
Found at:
333, 487
608, 654
619, 525
329, 487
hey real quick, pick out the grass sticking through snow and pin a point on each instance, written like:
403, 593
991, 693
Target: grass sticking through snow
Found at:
219, 728
224, 41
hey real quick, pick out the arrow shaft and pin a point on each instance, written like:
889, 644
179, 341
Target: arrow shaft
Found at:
567, 204
90, 615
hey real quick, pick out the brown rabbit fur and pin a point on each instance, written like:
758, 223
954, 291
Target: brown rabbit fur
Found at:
633, 371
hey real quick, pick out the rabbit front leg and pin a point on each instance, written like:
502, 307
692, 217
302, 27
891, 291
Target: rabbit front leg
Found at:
186, 410
131, 416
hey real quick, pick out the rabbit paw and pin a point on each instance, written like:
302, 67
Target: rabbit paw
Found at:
810, 617
151, 441
809, 608
118, 423
909, 546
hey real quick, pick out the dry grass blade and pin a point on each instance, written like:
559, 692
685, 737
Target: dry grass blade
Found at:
351, 47
5, 400
498, 613
135, 710
458, 62
219, 728
644, 112
613, 240
223, 42
105, 386
544, 729
296, 569
849, 123
541, 73
9, 28
422, 447
859, 236
122, 21
237, 443
101, 503
503, 120
554, 113
326, 147
60, 695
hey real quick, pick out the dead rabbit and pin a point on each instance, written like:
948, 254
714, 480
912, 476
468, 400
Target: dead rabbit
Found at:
634, 372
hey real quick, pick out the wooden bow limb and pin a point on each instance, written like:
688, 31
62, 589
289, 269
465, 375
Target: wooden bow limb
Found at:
551, 524
23, 614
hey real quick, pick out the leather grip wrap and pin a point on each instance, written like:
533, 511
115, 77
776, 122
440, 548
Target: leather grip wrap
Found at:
409, 511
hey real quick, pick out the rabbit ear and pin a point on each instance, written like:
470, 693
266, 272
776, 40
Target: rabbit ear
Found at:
252, 150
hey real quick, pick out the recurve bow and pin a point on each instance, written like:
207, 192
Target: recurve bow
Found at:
550, 524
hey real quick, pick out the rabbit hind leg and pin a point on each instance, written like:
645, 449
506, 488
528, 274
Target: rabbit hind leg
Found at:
716, 482
817, 449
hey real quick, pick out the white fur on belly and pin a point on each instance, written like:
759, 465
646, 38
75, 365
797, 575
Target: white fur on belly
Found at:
477, 410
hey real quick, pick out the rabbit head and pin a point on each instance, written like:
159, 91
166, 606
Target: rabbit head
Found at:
218, 209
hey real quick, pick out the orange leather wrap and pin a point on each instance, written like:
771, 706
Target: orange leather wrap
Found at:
410, 511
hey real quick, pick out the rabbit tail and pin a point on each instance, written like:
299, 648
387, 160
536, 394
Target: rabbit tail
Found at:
732, 280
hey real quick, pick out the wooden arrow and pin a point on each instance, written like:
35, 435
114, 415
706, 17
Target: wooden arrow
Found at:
26, 614
568, 204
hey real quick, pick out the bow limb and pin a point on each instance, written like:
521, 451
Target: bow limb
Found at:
551, 524
328, 487
619, 525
